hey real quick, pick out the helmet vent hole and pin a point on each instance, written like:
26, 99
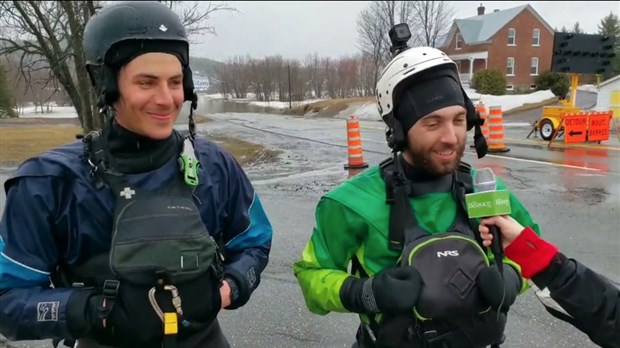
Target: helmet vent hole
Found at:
406, 65
424, 53
387, 92
379, 95
388, 106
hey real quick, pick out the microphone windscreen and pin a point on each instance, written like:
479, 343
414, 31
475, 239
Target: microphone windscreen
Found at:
484, 180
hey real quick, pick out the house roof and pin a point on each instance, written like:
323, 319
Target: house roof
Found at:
479, 29
615, 79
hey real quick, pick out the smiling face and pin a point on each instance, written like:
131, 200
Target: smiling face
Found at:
437, 141
151, 94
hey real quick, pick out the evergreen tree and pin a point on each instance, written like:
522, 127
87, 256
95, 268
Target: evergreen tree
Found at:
610, 25
7, 101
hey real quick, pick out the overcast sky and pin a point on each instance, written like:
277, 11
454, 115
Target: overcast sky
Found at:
297, 28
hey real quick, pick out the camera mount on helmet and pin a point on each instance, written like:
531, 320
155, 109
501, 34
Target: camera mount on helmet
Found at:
399, 36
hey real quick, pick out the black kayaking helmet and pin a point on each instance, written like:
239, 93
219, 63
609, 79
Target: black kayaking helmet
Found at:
121, 31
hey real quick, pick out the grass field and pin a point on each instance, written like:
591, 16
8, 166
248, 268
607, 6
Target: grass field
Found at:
329, 107
18, 143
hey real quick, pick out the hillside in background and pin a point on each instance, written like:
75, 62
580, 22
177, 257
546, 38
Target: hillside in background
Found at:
203, 66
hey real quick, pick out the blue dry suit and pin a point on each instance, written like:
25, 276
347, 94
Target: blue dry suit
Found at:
55, 214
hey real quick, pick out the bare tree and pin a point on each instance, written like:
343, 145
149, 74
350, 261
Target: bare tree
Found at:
316, 79
275, 67
367, 75
196, 15
330, 71
370, 28
254, 74
299, 80
268, 78
431, 21
347, 77
50, 33
221, 80
237, 77
264, 82
373, 25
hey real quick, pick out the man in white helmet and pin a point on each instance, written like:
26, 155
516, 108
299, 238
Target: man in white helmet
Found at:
419, 275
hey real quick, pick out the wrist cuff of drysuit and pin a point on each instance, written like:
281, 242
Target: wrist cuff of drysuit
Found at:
531, 252
77, 322
351, 293
242, 285
356, 295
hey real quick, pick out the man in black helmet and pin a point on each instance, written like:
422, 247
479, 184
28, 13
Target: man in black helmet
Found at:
140, 235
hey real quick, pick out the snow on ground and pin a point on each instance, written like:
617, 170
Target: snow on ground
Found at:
283, 105
363, 111
369, 111
509, 101
55, 112
267, 104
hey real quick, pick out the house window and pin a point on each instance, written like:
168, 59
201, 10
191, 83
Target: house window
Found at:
534, 66
459, 41
512, 37
536, 37
510, 66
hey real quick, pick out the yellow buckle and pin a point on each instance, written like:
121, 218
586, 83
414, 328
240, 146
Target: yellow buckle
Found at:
171, 326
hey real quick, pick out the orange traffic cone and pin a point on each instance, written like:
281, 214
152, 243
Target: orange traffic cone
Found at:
354, 141
496, 130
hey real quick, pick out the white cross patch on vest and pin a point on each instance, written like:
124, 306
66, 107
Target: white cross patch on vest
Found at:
127, 193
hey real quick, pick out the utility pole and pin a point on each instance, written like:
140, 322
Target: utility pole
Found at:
290, 104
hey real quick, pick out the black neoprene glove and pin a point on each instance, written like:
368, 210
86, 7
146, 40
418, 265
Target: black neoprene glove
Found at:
394, 290
83, 313
493, 288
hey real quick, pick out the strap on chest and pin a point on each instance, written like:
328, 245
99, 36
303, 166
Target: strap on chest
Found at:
403, 225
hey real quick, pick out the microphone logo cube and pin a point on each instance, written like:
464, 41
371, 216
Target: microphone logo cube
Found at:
489, 203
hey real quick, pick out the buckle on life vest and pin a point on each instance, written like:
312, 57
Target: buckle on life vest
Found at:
189, 164
189, 167
110, 289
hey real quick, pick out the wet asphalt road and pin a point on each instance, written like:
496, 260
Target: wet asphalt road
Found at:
574, 194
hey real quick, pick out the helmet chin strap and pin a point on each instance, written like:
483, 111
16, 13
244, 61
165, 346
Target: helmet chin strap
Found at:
106, 112
191, 124
480, 142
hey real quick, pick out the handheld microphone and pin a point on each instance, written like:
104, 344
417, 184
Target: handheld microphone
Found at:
487, 201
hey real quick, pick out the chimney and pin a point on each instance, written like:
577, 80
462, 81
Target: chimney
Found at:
480, 10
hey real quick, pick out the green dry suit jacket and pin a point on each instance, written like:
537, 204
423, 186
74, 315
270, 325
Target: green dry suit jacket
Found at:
353, 219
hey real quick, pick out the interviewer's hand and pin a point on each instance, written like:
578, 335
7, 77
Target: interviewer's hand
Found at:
225, 294
509, 229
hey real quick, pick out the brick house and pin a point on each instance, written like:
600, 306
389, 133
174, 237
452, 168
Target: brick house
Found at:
517, 41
